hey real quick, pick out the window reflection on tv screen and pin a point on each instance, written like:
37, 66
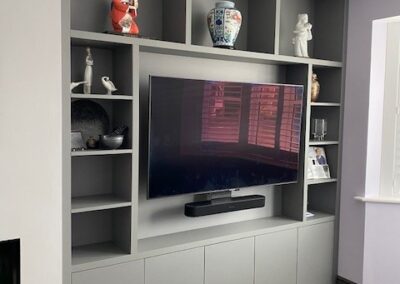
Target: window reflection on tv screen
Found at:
211, 135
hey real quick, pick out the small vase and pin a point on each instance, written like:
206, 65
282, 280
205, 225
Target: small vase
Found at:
224, 22
315, 88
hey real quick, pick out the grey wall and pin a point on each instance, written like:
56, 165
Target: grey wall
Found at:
351, 239
30, 136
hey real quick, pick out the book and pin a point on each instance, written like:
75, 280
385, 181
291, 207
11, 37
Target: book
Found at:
318, 167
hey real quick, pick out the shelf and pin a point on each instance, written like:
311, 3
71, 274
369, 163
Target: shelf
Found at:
101, 97
325, 104
320, 181
100, 152
210, 235
156, 46
97, 202
322, 143
320, 217
95, 252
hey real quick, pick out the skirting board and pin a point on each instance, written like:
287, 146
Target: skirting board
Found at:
341, 280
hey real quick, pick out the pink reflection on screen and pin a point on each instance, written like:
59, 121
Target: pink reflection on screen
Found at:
221, 114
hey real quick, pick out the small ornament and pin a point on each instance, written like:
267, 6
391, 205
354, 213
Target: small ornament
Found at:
76, 84
92, 143
224, 22
315, 88
123, 16
108, 84
88, 80
302, 36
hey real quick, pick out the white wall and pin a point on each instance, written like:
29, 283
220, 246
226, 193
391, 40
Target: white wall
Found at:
353, 222
30, 135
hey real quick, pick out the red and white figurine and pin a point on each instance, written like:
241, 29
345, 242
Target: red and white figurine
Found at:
123, 15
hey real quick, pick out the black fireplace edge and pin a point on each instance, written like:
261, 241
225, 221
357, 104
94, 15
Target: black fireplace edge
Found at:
10, 262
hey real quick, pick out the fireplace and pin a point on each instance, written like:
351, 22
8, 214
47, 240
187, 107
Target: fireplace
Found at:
10, 262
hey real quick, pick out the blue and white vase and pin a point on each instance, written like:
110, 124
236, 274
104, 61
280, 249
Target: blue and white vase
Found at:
224, 22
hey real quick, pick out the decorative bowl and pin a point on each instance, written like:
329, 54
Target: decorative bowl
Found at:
111, 142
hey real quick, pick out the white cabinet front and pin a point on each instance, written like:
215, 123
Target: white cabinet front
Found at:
230, 262
316, 254
124, 273
276, 258
184, 267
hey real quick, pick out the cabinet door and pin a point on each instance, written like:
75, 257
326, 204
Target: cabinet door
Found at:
315, 261
124, 273
176, 268
230, 262
276, 258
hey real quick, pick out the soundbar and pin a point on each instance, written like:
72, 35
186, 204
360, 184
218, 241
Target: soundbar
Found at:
223, 205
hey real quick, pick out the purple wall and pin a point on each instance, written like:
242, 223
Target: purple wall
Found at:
351, 236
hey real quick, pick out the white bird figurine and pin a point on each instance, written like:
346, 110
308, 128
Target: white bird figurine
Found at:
76, 84
108, 84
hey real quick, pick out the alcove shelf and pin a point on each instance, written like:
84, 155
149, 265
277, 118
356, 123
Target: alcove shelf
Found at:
109, 219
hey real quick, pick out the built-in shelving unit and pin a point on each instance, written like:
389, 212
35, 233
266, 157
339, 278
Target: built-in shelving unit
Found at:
111, 219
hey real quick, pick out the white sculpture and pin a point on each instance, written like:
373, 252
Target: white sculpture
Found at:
302, 36
87, 87
108, 84
76, 84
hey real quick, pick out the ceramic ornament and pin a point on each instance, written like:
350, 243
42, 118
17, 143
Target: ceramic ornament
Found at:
88, 79
123, 16
302, 36
224, 22
76, 84
108, 84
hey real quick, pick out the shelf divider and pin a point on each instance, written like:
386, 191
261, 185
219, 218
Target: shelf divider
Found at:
101, 97
100, 152
97, 202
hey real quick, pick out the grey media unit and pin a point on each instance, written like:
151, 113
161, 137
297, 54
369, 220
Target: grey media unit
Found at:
113, 234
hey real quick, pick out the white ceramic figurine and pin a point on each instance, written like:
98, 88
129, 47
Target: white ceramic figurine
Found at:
108, 84
302, 36
87, 86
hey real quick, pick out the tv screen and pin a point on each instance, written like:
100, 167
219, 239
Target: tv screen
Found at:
211, 135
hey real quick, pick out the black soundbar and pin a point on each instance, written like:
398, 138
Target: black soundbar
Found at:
223, 205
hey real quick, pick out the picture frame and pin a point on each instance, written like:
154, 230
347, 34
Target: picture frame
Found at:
77, 141
318, 167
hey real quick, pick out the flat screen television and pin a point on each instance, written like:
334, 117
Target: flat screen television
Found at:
207, 136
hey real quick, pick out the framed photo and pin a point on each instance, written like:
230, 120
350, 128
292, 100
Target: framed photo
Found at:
318, 167
77, 141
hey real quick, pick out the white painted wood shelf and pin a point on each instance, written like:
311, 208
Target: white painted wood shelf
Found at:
156, 46
97, 202
321, 181
322, 143
320, 217
101, 97
100, 152
325, 104
95, 252
210, 235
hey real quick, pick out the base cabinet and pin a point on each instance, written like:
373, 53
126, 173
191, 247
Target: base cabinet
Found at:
230, 263
176, 268
297, 256
124, 273
315, 259
276, 258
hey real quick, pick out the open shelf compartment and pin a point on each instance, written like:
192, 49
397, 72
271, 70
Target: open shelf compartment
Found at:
101, 182
100, 235
330, 80
327, 18
258, 24
322, 198
110, 60
119, 114
157, 19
